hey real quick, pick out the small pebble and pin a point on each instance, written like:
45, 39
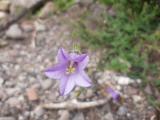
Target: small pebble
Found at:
1, 81
136, 98
4, 5
64, 115
38, 112
122, 111
14, 102
14, 32
108, 116
27, 26
46, 84
2, 15
39, 26
124, 80
32, 94
79, 116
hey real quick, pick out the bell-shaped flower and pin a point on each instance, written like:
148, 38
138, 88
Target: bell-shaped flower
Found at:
114, 94
70, 70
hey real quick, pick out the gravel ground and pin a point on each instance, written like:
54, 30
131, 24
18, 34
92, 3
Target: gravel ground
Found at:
24, 87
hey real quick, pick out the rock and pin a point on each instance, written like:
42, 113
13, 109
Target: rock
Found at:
122, 111
65, 115
47, 10
118, 87
4, 5
79, 116
82, 94
38, 112
46, 84
20, 117
108, 116
14, 102
7, 118
32, 94
24, 3
3, 43
9, 85
3, 95
13, 91
27, 26
39, 26
136, 98
26, 115
124, 80
1, 81
14, 32
21, 98
15, 10
3, 15
89, 93
4, 109
131, 90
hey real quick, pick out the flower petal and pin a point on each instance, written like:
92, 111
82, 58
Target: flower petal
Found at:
67, 84
86, 77
83, 61
81, 80
62, 55
73, 56
56, 72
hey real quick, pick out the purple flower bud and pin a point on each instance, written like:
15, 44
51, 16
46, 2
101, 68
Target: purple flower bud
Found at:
115, 95
70, 71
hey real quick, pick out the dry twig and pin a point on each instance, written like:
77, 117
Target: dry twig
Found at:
75, 104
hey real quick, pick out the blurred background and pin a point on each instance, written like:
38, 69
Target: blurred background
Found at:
122, 38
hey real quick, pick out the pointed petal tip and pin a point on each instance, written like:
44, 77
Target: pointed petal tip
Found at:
62, 55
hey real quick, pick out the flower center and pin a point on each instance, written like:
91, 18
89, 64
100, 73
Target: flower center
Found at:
71, 68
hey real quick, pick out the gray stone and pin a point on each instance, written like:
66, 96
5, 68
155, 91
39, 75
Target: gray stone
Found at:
24, 3
124, 80
38, 112
136, 98
14, 32
47, 10
3, 43
64, 115
4, 5
13, 91
7, 118
122, 111
89, 93
14, 102
3, 15
26, 114
3, 94
39, 26
46, 84
20, 117
1, 81
79, 116
108, 116
27, 26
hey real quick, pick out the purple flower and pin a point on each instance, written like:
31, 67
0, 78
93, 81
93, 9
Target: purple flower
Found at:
70, 71
115, 95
